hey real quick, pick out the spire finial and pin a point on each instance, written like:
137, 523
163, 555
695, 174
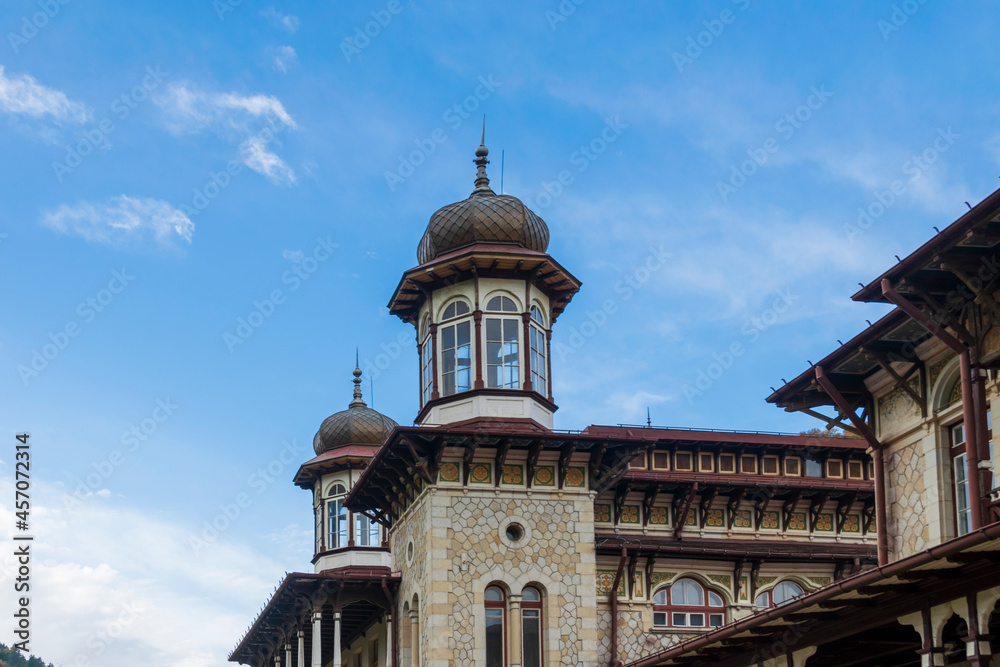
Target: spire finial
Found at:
482, 182
649, 420
358, 400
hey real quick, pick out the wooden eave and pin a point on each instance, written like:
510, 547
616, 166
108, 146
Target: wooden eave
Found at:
772, 551
672, 438
484, 260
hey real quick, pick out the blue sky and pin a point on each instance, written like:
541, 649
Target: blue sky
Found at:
171, 168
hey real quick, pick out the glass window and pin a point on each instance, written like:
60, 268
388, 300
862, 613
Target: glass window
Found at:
455, 309
496, 638
814, 467
337, 514
456, 358
960, 479
531, 627
426, 372
687, 606
780, 594
501, 304
502, 353
367, 533
538, 367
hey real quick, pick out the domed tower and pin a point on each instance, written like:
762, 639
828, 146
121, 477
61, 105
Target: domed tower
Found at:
483, 300
345, 443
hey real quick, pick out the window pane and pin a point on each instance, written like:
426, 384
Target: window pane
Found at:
714, 599
494, 304
696, 620
660, 597
957, 435
659, 618
463, 333
531, 638
963, 501
448, 338
687, 592
680, 620
494, 594
530, 595
785, 591
716, 620
814, 468
494, 638
761, 600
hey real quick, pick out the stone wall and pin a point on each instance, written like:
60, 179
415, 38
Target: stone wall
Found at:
635, 640
909, 522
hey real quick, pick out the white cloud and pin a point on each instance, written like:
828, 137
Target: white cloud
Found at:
257, 156
284, 57
190, 110
279, 20
23, 96
120, 586
122, 221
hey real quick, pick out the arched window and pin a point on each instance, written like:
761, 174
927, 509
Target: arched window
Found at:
496, 637
531, 627
426, 366
456, 349
366, 532
780, 594
686, 604
337, 515
536, 342
502, 360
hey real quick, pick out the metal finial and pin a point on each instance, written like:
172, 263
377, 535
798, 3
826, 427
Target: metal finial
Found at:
482, 182
649, 421
358, 401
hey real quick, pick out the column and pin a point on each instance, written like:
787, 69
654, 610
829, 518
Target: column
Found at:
317, 649
414, 639
336, 639
277, 659
301, 650
288, 654
387, 662
514, 632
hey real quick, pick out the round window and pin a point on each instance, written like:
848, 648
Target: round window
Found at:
409, 552
514, 532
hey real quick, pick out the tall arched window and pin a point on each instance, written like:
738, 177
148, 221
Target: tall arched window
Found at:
366, 532
337, 514
536, 342
502, 361
496, 637
531, 627
780, 594
456, 348
426, 365
686, 604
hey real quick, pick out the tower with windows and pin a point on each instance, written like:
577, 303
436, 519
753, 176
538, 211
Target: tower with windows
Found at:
483, 300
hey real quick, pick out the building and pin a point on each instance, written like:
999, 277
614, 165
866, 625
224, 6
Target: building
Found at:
482, 536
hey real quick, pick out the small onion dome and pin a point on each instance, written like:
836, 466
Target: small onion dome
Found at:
357, 425
485, 217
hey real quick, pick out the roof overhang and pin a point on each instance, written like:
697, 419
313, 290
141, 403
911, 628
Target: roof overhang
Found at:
331, 461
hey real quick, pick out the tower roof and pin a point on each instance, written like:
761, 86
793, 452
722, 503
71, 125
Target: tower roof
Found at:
357, 425
485, 217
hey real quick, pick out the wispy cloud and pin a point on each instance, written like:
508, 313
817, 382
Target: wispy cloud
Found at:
23, 96
279, 20
122, 221
190, 110
258, 157
284, 57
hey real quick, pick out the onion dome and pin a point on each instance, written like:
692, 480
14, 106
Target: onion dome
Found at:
357, 425
485, 217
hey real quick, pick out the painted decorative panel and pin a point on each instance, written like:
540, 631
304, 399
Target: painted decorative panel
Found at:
606, 579
743, 519
723, 579
852, 524
545, 476
630, 514
512, 474
576, 478
765, 581
661, 577
716, 518
658, 516
481, 473
602, 513
743, 588
770, 521
820, 581
797, 521
449, 472
692, 518
825, 523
